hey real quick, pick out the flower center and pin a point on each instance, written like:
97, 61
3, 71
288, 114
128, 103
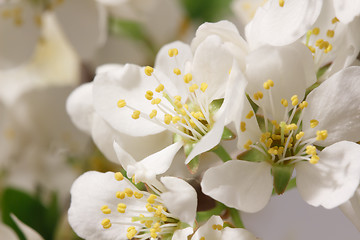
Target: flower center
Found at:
284, 142
146, 218
190, 118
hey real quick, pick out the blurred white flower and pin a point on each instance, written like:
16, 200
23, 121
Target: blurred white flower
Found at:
351, 209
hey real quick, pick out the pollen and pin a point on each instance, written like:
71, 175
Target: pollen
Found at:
312, 49
121, 207
167, 119
149, 70
313, 123
120, 195
105, 209
131, 233
303, 105
187, 77
316, 31
319, 42
321, 135
128, 192
250, 114
135, 114
311, 150
153, 114
155, 101
284, 102
281, 3
334, 20
294, 100
258, 95
193, 87
149, 95
314, 159
299, 135
328, 49
177, 71
243, 126
173, 52
121, 103
175, 119
330, 33
203, 86
151, 199
248, 144
177, 97
119, 176
106, 223
138, 195
159, 88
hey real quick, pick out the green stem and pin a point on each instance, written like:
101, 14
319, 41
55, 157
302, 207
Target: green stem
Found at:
205, 215
221, 153
235, 216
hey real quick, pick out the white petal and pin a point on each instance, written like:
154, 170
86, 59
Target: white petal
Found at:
237, 233
335, 104
207, 230
89, 193
334, 179
346, 10
29, 233
23, 38
278, 26
7, 233
291, 69
129, 83
182, 234
351, 209
79, 106
251, 195
180, 199
83, 32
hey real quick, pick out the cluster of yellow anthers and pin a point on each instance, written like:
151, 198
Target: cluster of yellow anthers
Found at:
15, 14
189, 118
152, 222
284, 141
321, 43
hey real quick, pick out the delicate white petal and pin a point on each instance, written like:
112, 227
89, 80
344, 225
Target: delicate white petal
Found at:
212, 64
251, 195
79, 106
351, 209
29, 233
180, 199
334, 179
346, 10
129, 83
89, 193
207, 230
9, 234
22, 37
335, 104
245, 10
108, 67
124, 158
83, 32
237, 233
279, 26
289, 67
182, 234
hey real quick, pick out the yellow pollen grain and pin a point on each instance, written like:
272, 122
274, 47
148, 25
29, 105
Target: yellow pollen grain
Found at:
148, 70
187, 77
299, 135
153, 114
294, 100
193, 88
177, 98
303, 105
266, 85
106, 223
136, 114
119, 176
248, 144
243, 126
315, 31
284, 102
151, 199
321, 135
268, 143
202, 238
175, 119
138, 195
334, 20
128, 192
203, 86
177, 71
330, 33
148, 96
312, 49
250, 114
192, 123
173, 52
258, 95
159, 88
105, 209
121, 103
313, 123
275, 124
167, 119
311, 150
314, 159
121, 208
328, 49
120, 195
155, 101
281, 3
319, 42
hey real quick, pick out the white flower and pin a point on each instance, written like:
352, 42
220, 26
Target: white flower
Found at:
21, 27
329, 118
351, 209
108, 206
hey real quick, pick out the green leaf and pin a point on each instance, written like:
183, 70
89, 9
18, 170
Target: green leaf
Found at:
282, 175
228, 134
30, 211
206, 10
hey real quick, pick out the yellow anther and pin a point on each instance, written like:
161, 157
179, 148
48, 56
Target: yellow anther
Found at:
177, 98
311, 150
280, 150
193, 87
268, 143
105, 209
148, 97
121, 207
131, 228
183, 120
292, 126
173, 52
273, 150
163, 218
258, 95
243, 126
275, 124
330, 33
151, 199
120, 195
281, 3
276, 137
149, 208
106, 223
153, 234
250, 114
328, 49
266, 85
148, 223
119, 176
299, 135
135, 114
315, 31
324, 45
159, 210
334, 20
303, 105
202, 238
284, 102
294, 100
321, 135
155, 101
192, 123
203, 86
248, 144
187, 77
138, 195
198, 115
131, 234
313, 123
149, 70
177, 71
312, 49
177, 104
153, 114
167, 118
121, 103
128, 192
175, 119
314, 159
319, 42
159, 88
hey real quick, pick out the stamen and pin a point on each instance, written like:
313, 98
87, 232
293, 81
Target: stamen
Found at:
173, 52
281, 3
330, 33
121, 103
135, 114
187, 77
313, 123
149, 70
315, 31
334, 20
106, 223
119, 176
321, 135
177, 71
